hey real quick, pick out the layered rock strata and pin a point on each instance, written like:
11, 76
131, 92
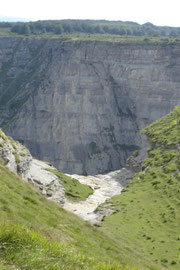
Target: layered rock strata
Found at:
81, 104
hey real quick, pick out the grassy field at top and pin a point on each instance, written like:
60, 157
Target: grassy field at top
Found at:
117, 38
106, 37
148, 212
121, 28
98, 37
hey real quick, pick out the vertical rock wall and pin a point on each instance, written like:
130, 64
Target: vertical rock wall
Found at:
87, 101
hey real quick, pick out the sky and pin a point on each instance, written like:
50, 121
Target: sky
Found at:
158, 12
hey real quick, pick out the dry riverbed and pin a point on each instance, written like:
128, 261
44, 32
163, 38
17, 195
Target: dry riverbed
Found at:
104, 186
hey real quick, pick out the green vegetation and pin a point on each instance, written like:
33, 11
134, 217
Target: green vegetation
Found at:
143, 232
136, 153
4, 266
22, 154
2, 135
165, 131
113, 38
16, 146
74, 190
30, 250
16, 90
59, 27
17, 158
148, 217
37, 234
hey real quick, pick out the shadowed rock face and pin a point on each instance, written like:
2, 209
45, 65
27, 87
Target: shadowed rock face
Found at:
81, 104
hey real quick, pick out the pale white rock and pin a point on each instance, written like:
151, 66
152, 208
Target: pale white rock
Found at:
46, 181
6, 153
105, 187
32, 170
39, 170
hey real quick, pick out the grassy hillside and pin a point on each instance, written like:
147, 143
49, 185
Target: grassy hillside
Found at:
37, 234
74, 190
148, 212
143, 233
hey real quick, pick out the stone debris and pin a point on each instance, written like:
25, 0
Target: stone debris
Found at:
104, 186
19, 160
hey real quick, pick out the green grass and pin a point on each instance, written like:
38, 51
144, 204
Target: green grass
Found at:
22, 154
30, 250
35, 231
96, 37
5, 266
116, 38
166, 130
144, 232
74, 190
148, 212
38, 234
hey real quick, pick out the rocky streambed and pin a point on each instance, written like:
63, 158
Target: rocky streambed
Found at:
104, 186
40, 174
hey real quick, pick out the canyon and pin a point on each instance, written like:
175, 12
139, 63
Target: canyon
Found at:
81, 104
43, 176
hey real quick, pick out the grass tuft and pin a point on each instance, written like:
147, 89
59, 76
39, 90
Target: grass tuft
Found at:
74, 190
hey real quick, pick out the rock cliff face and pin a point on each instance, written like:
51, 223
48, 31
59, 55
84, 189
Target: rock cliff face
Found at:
81, 104
19, 160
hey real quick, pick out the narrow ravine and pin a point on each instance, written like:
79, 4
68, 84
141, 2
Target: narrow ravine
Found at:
40, 175
104, 186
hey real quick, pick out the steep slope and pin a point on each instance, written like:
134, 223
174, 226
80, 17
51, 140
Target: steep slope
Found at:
50, 182
67, 240
143, 231
36, 233
148, 212
81, 104
79, 194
